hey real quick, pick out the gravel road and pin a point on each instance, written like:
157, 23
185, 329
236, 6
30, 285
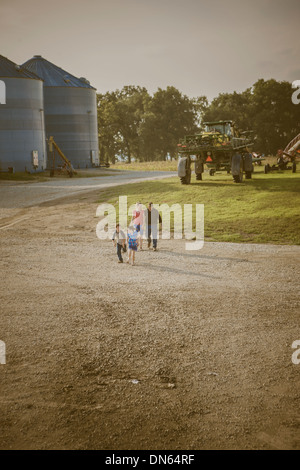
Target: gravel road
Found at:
14, 195
182, 351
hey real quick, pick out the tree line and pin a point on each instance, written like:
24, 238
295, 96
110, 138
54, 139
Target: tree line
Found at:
135, 125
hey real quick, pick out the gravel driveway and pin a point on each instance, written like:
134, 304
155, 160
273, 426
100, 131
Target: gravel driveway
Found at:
182, 351
13, 195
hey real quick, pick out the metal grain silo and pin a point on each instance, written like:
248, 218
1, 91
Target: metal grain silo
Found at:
70, 112
22, 133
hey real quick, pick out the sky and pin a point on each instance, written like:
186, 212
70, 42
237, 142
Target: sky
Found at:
202, 47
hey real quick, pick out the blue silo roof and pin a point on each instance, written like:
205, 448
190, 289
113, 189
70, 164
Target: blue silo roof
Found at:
11, 70
53, 75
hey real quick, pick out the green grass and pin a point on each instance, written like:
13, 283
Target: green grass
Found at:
163, 166
264, 209
23, 176
45, 175
147, 166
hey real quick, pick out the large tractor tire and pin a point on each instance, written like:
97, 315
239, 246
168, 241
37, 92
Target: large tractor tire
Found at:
188, 176
248, 167
238, 178
199, 168
186, 179
237, 168
184, 170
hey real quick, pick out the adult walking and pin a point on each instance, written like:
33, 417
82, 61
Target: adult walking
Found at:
152, 219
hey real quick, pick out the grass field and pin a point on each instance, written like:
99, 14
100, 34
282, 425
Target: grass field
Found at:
164, 166
146, 166
264, 209
45, 175
93, 172
23, 176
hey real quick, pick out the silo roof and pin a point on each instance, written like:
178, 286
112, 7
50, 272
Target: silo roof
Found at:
12, 70
52, 75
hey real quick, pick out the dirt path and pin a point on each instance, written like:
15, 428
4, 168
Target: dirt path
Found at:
207, 335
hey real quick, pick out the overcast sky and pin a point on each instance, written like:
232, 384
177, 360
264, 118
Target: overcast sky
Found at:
202, 47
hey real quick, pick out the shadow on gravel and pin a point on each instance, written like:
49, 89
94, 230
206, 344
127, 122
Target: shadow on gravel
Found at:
214, 258
175, 271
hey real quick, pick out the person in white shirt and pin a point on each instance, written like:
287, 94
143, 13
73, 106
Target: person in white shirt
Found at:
119, 240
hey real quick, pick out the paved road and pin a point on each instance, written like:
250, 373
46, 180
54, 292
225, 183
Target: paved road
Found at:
20, 195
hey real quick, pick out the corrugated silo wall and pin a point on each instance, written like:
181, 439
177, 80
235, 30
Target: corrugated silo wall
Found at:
71, 118
22, 125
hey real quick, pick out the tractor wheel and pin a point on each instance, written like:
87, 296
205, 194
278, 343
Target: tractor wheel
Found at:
188, 177
237, 165
241, 173
248, 175
294, 167
199, 176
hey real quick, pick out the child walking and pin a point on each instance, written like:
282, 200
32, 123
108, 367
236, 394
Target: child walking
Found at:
138, 222
119, 240
133, 244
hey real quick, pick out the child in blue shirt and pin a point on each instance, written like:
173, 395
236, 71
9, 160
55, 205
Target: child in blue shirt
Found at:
133, 243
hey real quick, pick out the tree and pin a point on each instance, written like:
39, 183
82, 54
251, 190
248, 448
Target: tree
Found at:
107, 126
275, 119
266, 108
231, 106
200, 105
119, 117
130, 113
169, 115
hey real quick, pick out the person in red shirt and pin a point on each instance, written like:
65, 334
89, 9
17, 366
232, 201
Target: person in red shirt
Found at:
138, 222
